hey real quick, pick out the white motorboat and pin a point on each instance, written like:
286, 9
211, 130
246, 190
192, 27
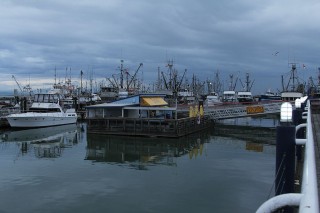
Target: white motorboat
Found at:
213, 99
45, 111
270, 96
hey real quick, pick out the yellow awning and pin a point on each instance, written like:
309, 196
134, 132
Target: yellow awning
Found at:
153, 101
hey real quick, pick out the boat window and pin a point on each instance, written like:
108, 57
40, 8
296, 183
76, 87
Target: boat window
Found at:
41, 110
54, 98
54, 110
34, 109
40, 98
46, 99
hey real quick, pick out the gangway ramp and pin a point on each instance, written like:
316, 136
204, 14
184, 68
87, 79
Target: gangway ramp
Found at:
220, 112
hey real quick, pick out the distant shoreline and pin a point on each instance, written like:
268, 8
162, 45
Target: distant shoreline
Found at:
6, 93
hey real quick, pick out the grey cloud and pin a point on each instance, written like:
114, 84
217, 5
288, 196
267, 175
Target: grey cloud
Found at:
201, 36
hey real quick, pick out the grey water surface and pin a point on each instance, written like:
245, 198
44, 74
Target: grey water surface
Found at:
62, 169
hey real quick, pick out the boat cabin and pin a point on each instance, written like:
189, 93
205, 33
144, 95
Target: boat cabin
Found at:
290, 96
244, 97
229, 96
47, 98
46, 103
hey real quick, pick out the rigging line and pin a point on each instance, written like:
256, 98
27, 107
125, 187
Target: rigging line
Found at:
284, 182
281, 179
274, 182
282, 160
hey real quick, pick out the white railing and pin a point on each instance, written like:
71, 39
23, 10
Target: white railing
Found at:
307, 200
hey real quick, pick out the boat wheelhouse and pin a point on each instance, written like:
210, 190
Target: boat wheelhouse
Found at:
229, 96
290, 96
244, 97
213, 99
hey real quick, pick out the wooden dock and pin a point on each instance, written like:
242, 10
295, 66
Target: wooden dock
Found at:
150, 127
150, 115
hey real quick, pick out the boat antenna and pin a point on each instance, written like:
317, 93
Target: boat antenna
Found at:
81, 74
55, 75
121, 74
65, 77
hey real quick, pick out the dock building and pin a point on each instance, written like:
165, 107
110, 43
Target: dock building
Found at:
145, 115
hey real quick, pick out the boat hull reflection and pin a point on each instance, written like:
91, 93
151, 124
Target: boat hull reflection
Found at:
36, 134
46, 142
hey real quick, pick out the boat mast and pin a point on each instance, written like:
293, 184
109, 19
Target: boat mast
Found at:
232, 85
292, 77
248, 85
217, 83
81, 74
55, 75
121, 74
294, 68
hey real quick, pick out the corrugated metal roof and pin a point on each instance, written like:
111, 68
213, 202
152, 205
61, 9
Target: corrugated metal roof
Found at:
129, 101
106, 105
152, 108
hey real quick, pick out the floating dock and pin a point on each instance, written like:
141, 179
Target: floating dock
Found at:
171, 128
150, 115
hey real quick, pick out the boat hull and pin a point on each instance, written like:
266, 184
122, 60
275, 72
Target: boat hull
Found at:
245, 100
212, 102
40, 121
270, 98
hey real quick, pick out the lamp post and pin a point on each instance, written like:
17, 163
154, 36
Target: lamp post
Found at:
286, 113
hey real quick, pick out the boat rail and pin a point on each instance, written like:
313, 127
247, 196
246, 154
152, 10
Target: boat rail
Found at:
8, 110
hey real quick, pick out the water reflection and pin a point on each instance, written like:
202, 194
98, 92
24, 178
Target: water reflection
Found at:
256, 147
139, 152
45, 142
134, 151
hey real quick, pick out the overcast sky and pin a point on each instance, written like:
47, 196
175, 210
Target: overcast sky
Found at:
203, 36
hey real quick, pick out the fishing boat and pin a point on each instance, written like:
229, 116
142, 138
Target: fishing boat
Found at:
108, 93
297, 88
46, 110
245, 96
230, 95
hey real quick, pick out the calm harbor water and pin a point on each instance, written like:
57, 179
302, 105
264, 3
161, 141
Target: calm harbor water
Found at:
62, 169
